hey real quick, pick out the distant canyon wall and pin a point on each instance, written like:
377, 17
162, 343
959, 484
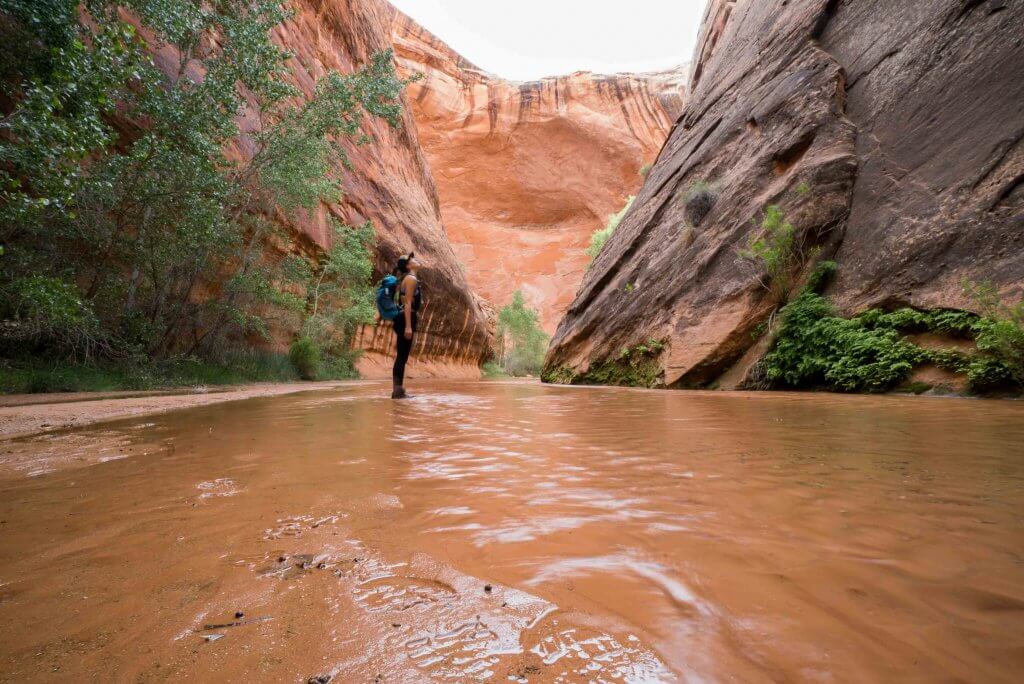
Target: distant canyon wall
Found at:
891, 136
527, 171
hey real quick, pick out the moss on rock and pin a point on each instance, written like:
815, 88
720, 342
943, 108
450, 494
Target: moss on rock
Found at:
636, 366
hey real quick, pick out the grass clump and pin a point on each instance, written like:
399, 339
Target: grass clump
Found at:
600, 237
305, 356
698, 202
644, 170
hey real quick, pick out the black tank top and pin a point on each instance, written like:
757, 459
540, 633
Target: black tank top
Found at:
417, 296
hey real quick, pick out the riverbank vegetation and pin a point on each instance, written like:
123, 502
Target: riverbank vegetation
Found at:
25, 375
815, 348
811, 346
520, 341
140, 224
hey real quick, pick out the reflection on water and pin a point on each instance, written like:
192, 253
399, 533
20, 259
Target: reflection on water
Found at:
517, 532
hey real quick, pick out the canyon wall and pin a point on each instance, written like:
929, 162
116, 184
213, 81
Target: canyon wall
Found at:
891, 136
526, 172
389, 184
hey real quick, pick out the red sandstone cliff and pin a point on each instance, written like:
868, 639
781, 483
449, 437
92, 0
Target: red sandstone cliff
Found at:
527, 171
390, 184
891, 135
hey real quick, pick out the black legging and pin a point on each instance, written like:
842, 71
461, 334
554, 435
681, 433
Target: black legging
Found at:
404, 347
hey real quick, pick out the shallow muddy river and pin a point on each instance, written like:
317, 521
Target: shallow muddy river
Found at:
518, 532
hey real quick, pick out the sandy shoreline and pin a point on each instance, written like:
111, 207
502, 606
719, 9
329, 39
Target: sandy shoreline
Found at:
22, 415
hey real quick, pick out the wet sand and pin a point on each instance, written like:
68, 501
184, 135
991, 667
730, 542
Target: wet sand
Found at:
509, 531
28, 414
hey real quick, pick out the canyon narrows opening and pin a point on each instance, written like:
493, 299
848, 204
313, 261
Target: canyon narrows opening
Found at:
520, 532
665, 307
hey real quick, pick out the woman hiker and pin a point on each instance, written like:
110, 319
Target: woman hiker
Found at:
409, 300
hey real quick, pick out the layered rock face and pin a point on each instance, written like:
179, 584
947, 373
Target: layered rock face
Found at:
391, 185
527, 171
891, 136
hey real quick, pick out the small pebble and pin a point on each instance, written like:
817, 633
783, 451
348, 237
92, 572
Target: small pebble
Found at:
487, 588
239, 615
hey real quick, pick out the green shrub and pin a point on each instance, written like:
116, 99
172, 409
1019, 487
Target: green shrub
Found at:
775, 250
987, 374
821, 276
869, 352
521, 341
600, 237
1003, 342
339, 365
39, 310
305, 357
816, 348
644, 170
339, 298
492, 369
1000, 336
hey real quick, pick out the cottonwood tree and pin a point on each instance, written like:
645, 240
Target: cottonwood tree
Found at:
135, 213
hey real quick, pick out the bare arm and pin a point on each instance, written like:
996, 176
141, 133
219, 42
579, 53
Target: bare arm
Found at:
409, 287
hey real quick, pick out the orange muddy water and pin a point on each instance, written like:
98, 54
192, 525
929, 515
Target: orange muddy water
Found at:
516, 532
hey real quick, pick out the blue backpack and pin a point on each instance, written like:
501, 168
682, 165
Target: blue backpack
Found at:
387, 294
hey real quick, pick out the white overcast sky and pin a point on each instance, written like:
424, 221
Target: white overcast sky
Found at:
527, 39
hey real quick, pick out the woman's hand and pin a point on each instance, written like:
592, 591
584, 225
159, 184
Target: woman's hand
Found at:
408, 334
